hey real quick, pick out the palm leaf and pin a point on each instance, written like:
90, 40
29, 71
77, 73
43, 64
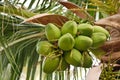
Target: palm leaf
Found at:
22, 35
107, 7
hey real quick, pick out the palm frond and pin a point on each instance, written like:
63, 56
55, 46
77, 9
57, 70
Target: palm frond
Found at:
15, 41
108, 7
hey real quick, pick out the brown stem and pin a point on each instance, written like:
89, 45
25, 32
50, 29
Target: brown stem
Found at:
112, 57
112, 45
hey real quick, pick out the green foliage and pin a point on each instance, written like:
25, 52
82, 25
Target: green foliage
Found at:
107, 6
16, 46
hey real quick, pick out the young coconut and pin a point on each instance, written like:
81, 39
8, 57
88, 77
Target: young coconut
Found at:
85, 29
82, 43
66, 42
73, 57
98, 39
44, 47
51, 63
69, 27
102, 30
52, 32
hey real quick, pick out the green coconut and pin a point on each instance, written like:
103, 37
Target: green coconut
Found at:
69, 27
52, 32
85, 29
98, 39
82, 43
73, 57
66, 42
44, 47
50, 64
102, 30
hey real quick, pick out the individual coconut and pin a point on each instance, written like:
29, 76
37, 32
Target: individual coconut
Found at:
69, 27
52, 32
98, 39
44, 47
73, 57
82, 43
66, 42
85, 29
102, 30
50, 64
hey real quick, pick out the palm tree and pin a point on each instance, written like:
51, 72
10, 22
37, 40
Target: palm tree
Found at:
18, 56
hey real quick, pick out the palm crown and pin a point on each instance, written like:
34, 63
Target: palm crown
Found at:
18, 38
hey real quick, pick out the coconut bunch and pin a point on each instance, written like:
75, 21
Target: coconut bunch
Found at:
69, 45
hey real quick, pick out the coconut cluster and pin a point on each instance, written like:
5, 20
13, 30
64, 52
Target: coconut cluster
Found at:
69, 45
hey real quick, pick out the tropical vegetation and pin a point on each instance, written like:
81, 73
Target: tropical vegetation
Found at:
18, 56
